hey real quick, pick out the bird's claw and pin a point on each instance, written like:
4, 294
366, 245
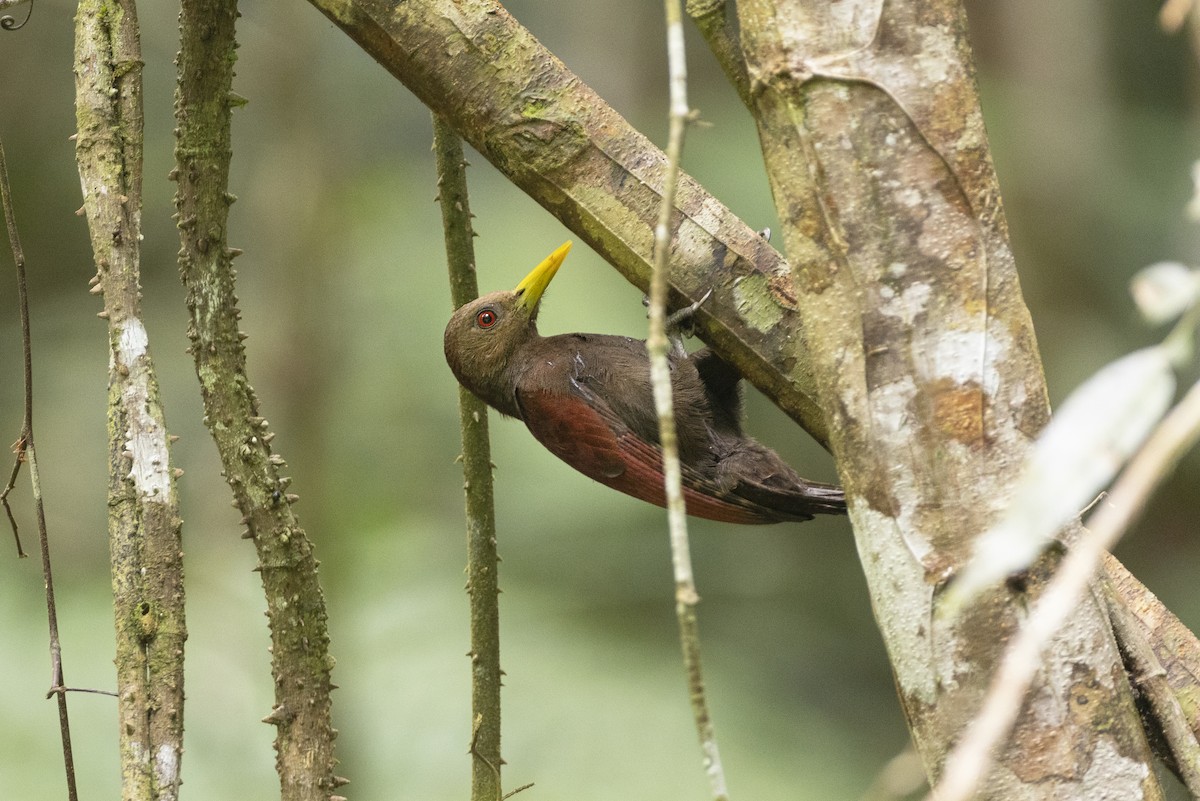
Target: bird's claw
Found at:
679, 323
684, 316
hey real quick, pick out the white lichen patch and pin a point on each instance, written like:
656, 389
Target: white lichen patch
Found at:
132, 342
901, 598
958, 356
166, 765
145, 439
938, 62
998, 344
907, 303
889, 408
1113, 776
146, 442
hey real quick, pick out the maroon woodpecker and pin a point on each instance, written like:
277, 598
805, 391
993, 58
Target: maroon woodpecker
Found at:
587, 398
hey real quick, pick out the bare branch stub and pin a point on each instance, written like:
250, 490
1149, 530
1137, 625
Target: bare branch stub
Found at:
19, 451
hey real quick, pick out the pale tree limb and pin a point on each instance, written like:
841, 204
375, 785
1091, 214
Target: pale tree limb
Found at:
657, 344
300, 660
145, 530
25, 451
971, 757
926, 363
483, 561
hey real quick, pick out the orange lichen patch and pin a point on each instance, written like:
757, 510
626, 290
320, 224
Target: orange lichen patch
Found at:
958, 410
1050, 751
781, 286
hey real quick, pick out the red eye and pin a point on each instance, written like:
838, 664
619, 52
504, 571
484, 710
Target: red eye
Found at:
486, 318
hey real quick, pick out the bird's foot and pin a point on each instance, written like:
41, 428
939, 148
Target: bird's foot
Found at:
681, 322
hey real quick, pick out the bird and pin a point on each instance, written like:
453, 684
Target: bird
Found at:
588, 399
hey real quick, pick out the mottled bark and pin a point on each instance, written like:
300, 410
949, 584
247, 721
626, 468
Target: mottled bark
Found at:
926, 362
144, 527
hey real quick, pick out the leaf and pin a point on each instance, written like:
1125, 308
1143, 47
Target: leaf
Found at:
1087, 442
1165, 290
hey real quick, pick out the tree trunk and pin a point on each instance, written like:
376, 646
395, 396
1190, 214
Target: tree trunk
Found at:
924, 356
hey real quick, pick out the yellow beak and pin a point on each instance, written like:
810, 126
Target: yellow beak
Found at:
533, 285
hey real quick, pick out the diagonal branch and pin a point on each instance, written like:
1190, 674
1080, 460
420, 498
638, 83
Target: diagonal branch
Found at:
540, 125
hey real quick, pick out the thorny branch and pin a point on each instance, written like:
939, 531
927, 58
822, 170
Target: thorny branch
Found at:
482, 559
301, 663
144, 526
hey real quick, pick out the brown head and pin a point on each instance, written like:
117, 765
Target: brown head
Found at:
483, 337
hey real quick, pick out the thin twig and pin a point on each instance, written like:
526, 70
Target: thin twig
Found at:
19, 451
968, 763
26, 451
9, 22
657, 344
87, 690
482, 560
22, 442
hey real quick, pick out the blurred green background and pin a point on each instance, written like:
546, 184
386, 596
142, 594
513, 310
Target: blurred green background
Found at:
1090, 110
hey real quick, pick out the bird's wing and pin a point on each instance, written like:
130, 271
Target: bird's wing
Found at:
572, 431
580, 428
